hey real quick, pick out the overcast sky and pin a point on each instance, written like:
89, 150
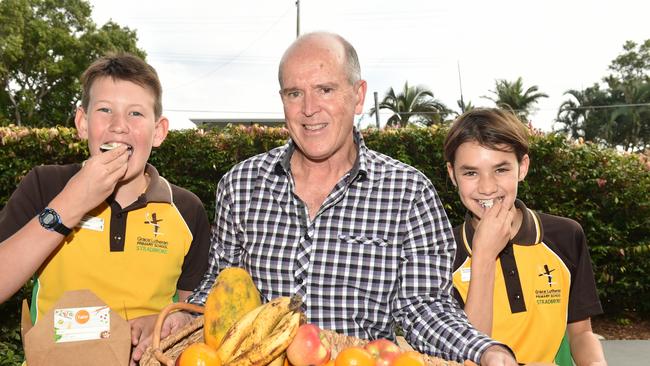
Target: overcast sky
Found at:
218, 59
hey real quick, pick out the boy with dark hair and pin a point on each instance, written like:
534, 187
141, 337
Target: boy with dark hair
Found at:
111, 224
521, 275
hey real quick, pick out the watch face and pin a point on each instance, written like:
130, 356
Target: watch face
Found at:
48, 218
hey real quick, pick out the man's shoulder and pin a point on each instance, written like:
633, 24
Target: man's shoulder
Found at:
259, 164
383, 165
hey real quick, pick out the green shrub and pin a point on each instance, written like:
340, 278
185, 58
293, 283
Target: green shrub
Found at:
602, 189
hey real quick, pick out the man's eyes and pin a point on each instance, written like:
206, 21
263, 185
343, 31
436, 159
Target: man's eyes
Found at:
104, 109
136, 113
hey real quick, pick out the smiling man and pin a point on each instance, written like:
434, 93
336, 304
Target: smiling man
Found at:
363, 238
111, 224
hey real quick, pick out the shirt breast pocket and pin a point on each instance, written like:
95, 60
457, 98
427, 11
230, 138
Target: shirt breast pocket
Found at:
366, 265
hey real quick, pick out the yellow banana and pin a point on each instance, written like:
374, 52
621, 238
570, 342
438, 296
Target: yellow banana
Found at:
279, 361
272, 312
262, 353
236, 334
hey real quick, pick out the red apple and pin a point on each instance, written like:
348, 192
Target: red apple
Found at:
309, 347
383, 351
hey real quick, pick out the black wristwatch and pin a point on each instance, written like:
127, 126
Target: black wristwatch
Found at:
51, 220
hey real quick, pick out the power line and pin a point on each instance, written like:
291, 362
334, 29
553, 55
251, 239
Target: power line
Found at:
235, 57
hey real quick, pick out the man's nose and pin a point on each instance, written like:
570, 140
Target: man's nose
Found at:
310, 105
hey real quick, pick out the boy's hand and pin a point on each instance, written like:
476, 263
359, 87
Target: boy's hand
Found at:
493, 231
96, 180
142, 331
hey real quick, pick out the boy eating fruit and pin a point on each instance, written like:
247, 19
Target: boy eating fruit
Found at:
521, 275
112, 224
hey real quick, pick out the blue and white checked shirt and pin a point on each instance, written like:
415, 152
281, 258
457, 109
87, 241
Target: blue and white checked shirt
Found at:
379, 252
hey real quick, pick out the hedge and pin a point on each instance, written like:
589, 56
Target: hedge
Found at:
604, 190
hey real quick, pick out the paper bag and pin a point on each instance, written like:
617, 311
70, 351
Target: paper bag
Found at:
41, 349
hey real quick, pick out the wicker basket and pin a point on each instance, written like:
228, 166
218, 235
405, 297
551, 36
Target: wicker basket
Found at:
166, 351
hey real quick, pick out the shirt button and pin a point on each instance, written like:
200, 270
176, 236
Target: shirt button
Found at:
117, 237
517, 296
511, 273
119, 215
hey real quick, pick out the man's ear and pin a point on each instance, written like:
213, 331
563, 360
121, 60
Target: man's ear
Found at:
523, 167
160, 131
81, 122
361, 96
450, 171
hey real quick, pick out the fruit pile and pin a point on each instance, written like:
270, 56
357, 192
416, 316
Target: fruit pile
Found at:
310, 348
239, 331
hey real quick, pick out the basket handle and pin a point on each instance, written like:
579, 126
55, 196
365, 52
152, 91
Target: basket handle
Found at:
160, 356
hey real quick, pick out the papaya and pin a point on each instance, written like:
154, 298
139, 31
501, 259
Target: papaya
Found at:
232, 295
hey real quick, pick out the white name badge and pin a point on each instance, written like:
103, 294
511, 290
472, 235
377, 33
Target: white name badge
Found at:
465, 274
92, 223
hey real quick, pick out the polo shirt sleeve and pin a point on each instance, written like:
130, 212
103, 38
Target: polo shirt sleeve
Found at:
32, 195
583, 297
195, 262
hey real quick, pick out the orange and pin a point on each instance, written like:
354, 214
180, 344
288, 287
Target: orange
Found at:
198, 354
408, 358
354, 356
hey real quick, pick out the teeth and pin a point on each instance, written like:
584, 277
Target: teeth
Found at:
315, 127
111, 145
486, 203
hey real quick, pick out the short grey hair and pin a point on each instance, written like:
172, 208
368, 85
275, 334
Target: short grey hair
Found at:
352, 66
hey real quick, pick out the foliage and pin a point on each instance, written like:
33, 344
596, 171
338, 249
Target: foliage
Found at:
511, 95
604, 190
415, 104
44, 48
616, 113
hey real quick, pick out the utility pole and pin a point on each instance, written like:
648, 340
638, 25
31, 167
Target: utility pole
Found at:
376, 110
297, 18
460, 84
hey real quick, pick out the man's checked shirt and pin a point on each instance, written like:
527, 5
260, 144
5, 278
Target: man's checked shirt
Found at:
379, 252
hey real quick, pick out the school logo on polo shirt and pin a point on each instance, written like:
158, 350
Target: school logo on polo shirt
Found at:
152, 243
153, 221
544, 295
547, 273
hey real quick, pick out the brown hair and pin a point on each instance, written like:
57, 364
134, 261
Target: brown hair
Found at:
492, 128
122, 66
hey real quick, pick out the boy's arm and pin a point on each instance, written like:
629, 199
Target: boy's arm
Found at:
22, 253
491, 236
585, 348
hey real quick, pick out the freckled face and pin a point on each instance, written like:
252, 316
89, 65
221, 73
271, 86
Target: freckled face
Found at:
482, 174
122, 112
319, 101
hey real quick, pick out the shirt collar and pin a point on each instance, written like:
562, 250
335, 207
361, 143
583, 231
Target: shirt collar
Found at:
360, 167
530, 232
159, 190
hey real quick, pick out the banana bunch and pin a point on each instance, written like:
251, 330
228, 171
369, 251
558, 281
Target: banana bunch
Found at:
262, 335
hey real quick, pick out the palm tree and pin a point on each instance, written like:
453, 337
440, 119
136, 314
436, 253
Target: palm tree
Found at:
415, 104
511, 95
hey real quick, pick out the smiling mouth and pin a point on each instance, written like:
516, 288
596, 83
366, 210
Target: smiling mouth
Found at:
489, 202
112, 145
315, 127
